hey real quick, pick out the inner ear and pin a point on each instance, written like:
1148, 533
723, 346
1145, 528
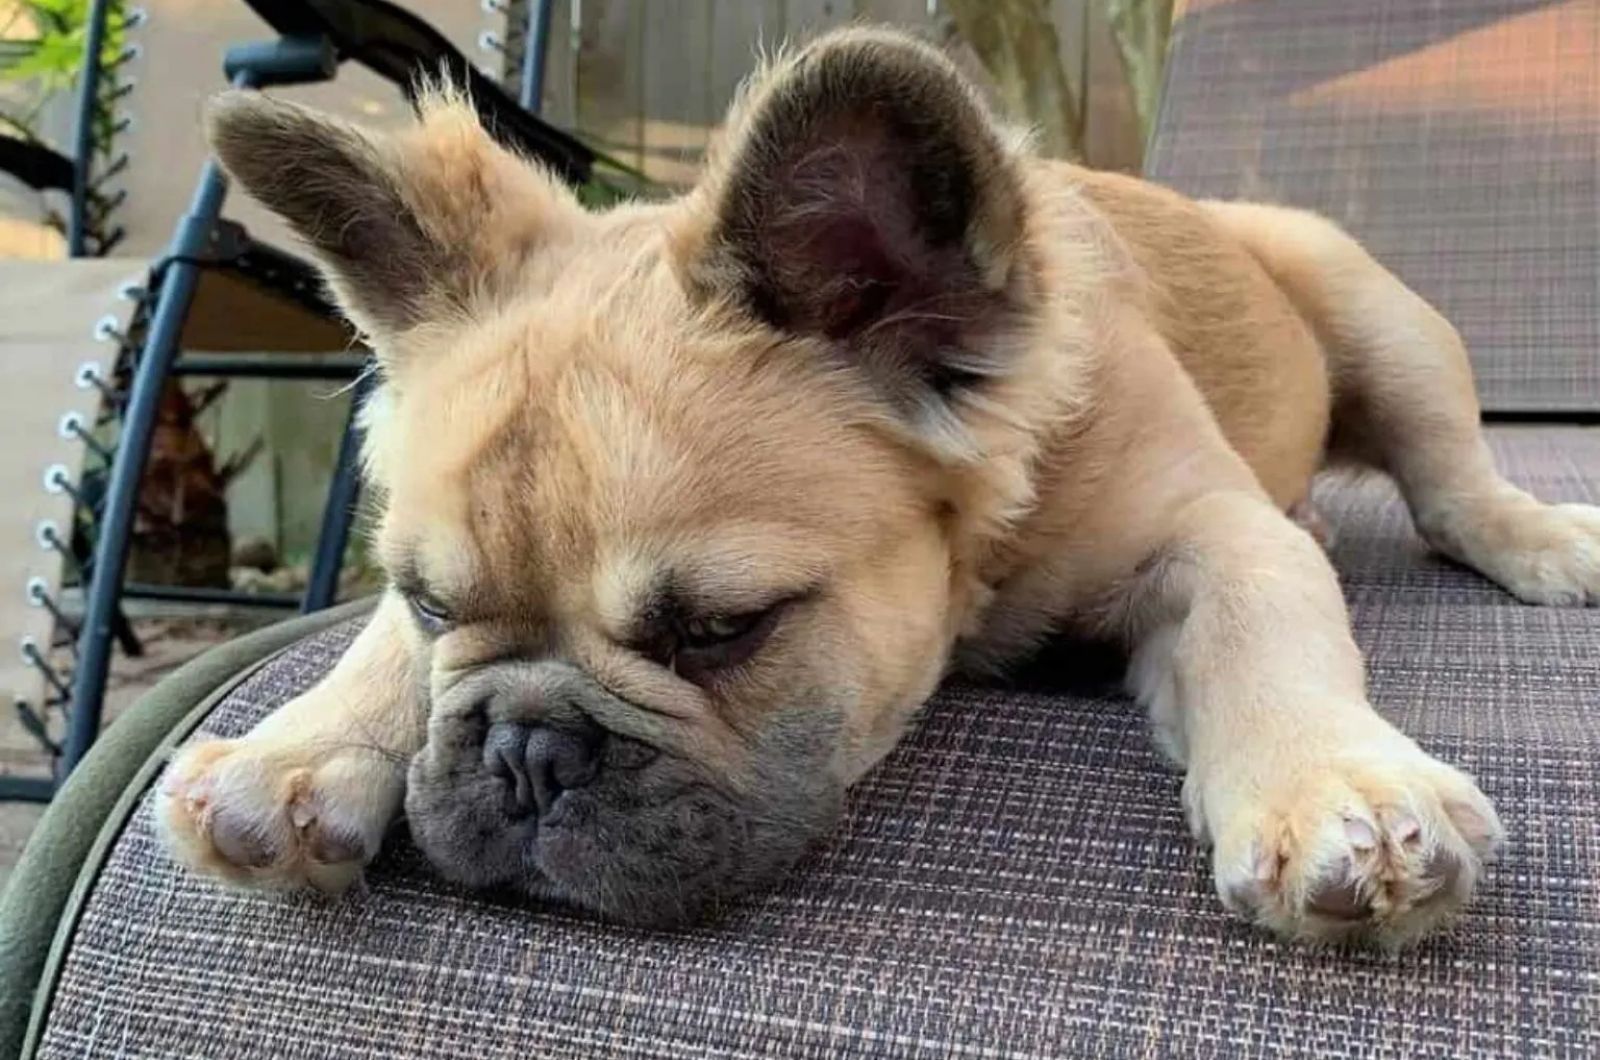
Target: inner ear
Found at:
848, 231
870, 201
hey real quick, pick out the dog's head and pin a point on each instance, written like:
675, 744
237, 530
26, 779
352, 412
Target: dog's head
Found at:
680, 495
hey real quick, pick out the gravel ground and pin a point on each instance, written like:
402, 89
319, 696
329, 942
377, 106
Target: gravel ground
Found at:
169, 643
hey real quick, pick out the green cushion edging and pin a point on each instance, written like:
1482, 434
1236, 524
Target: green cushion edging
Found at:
57, 869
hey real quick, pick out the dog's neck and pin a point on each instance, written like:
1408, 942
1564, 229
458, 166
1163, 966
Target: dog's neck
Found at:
1026, 424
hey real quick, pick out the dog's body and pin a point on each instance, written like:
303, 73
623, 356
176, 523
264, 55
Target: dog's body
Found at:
689, 506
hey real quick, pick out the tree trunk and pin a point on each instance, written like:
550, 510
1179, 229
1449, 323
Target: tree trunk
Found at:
1141, 29
1016, 42
180, 531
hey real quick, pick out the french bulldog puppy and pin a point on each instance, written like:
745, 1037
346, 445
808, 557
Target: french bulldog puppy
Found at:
688, 506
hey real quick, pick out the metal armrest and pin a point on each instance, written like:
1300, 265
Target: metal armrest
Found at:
404, 49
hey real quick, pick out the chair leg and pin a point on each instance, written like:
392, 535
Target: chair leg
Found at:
534, 41
101, 595
339, 511
83, 136
126, 638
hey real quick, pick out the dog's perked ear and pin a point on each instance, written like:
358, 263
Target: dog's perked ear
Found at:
411, 227
868, 198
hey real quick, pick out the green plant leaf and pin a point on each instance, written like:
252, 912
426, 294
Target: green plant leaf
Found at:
14, 51
1141, 29
53, 56
53, 60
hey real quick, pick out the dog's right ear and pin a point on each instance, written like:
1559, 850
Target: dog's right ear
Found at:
414, 227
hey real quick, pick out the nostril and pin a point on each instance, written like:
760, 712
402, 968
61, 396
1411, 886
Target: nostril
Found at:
539, 762
557, 761
505, 756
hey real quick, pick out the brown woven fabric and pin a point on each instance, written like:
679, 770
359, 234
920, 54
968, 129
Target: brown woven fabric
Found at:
1457, 138
1015, 881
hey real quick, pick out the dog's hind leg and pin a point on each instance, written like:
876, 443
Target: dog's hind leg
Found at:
1404, 402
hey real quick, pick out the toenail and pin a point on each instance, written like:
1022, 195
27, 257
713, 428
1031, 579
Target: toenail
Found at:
1361, 835
1406, 829
1266, 865
1477, 829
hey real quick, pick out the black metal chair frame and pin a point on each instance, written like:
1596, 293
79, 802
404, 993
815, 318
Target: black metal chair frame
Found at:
315, 37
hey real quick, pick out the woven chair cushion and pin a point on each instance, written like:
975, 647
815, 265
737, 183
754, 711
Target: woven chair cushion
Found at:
1456, 138
1014, 881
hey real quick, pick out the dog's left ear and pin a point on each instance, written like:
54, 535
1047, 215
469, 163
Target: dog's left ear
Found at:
868, 199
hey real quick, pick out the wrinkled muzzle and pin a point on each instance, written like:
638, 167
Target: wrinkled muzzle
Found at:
522, 785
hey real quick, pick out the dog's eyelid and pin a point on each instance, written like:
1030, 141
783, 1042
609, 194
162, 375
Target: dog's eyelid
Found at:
405, 575
415, 589
407, 578
692, 606
435, 618
432, 610
432, 607
665, 631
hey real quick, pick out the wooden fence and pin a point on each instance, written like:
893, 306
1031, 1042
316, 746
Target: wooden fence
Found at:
649, 79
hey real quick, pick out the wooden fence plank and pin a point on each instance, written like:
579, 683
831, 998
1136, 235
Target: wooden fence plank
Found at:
560, 68
737, 28
678, 107
907, 14
651, 80
1111, 136
804, 19
610, 61
1071, 19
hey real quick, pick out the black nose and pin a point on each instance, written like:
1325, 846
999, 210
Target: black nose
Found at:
539, 762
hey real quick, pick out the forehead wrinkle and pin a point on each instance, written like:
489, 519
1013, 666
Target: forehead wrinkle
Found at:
428, 559
612, 436
744, 559
469, 428
465, 401
702, 473
720, 568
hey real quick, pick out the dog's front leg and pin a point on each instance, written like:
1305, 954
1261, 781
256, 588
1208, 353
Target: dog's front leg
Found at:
1326, 821
305, 797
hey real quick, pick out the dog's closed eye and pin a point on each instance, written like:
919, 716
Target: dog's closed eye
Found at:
433, 616
697, 647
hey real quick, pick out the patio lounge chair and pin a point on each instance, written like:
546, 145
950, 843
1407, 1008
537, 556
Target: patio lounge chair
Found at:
1016, 880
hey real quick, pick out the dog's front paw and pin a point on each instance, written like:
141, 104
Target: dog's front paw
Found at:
259, 813
1381, 847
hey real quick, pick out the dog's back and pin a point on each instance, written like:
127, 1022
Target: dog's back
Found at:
1236, 331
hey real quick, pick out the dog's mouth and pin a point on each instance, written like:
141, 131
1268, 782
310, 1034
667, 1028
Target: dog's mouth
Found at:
563, 808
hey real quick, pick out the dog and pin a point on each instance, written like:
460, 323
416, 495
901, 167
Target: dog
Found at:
687, 507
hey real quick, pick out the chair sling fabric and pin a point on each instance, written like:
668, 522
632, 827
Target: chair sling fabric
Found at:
1016, 880
1458, 140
